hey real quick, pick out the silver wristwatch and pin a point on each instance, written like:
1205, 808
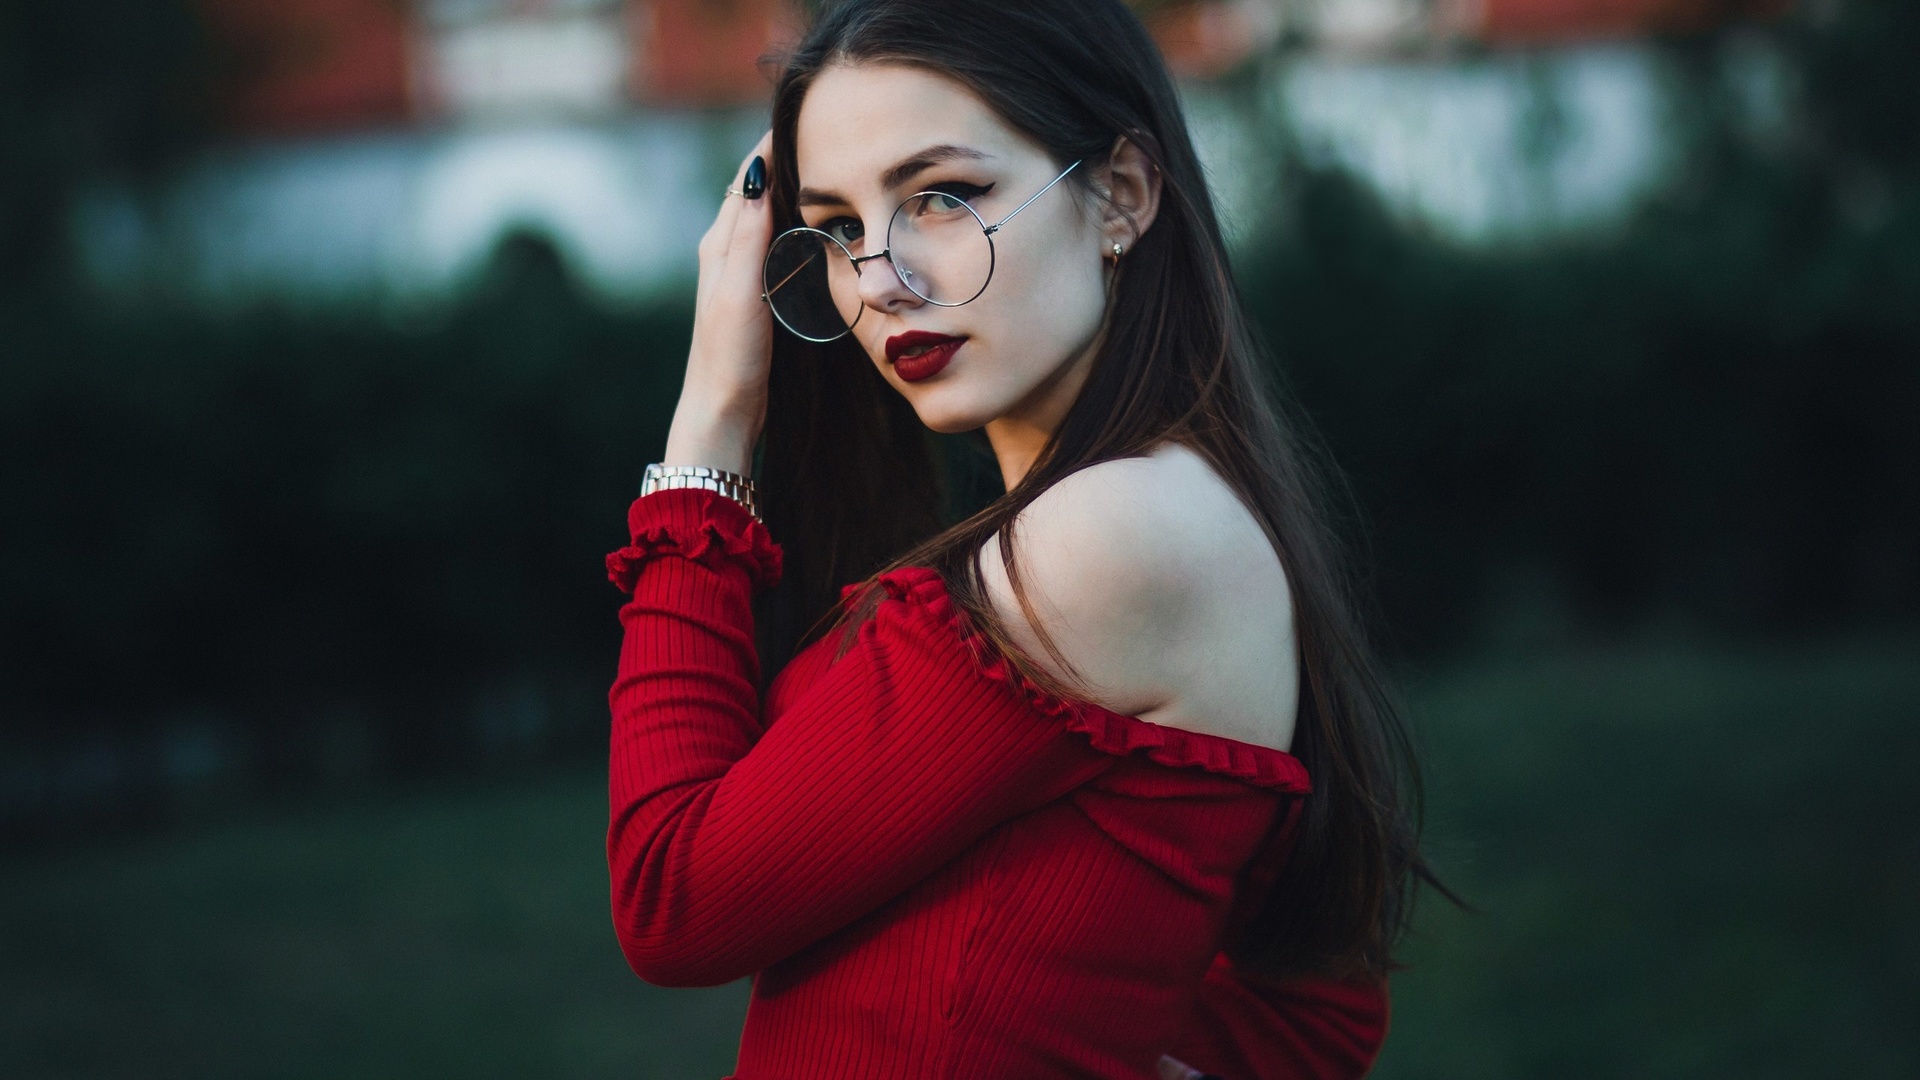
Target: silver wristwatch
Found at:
731, 484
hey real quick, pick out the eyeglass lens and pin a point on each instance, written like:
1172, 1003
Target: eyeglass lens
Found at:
812, 286
940, 248
937, 245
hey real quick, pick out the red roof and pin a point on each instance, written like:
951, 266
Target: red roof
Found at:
328, 64
1201, 38
1555, 21
311, 64
696, 52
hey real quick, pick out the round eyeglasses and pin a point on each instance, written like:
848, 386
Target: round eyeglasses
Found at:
938, 244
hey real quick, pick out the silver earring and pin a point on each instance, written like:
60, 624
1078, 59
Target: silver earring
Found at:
1117, 249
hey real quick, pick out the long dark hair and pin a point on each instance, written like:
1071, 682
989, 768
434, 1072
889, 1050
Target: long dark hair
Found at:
852, 485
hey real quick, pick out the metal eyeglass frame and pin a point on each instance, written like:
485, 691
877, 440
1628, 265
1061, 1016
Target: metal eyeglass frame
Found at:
887, 254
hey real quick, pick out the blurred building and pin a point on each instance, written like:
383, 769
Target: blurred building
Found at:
382, 150
304, 65
1486, 120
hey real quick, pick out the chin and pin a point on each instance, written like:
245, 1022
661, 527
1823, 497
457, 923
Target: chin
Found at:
948, 410
951, 426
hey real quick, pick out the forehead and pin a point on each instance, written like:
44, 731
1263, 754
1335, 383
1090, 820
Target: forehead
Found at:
859, 119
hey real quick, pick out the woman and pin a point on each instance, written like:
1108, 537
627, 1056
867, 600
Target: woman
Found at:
1100, 781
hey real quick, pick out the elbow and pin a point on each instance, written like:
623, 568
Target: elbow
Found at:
663, 970
664, 951
679, 968
671, 930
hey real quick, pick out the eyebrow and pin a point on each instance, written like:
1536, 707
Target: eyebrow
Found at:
906, 170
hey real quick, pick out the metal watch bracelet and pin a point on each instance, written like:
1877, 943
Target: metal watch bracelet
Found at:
730, 484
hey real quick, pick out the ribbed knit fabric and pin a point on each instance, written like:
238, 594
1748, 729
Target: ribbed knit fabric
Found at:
933, 869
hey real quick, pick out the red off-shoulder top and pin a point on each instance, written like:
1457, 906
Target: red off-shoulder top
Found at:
932, 869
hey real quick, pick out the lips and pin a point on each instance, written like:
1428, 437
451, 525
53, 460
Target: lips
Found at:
920, 354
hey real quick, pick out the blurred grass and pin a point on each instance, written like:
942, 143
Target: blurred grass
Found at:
451, 931
1689, 861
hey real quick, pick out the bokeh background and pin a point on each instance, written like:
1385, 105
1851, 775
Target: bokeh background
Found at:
334, 335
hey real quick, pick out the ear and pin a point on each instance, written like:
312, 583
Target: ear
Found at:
1133, 196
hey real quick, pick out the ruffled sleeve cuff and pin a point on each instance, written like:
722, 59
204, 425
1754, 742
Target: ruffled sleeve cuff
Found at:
1109, 732
701, 526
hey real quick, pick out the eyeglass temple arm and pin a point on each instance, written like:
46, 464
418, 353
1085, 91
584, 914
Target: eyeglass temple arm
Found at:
995, 227
791, 276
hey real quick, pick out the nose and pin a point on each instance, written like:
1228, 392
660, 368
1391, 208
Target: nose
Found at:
881, 288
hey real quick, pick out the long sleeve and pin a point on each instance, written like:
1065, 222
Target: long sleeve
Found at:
1246, 1027
732, 845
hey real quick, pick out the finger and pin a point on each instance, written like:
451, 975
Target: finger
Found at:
752, 231
751, 217
730, 206
746, 256
1172, 1068
763, 148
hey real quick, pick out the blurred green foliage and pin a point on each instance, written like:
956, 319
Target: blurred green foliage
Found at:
1706, 415
444, 931
280, 515
1688, 862
88, 88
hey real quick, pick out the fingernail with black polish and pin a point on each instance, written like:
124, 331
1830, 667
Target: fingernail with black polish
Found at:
755, 185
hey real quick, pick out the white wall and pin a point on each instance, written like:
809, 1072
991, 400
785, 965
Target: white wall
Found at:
410, 217
1488, 149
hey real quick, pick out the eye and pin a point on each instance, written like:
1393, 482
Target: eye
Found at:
947, 198
844, 229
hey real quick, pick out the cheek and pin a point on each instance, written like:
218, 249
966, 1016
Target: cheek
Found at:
1040, 312
1031, 322
1050, 308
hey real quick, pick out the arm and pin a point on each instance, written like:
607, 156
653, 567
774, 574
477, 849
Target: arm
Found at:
730, 847
1247, 1027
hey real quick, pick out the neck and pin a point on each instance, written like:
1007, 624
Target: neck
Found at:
1016, 444
1018, 436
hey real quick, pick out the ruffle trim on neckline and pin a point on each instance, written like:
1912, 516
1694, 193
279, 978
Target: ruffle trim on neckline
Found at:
1109, 732
717, 531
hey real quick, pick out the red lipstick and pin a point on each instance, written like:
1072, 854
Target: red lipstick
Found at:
919, 354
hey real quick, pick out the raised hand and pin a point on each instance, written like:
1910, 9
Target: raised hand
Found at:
723, 402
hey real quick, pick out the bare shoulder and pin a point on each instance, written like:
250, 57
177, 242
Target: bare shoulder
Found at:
1161, 592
